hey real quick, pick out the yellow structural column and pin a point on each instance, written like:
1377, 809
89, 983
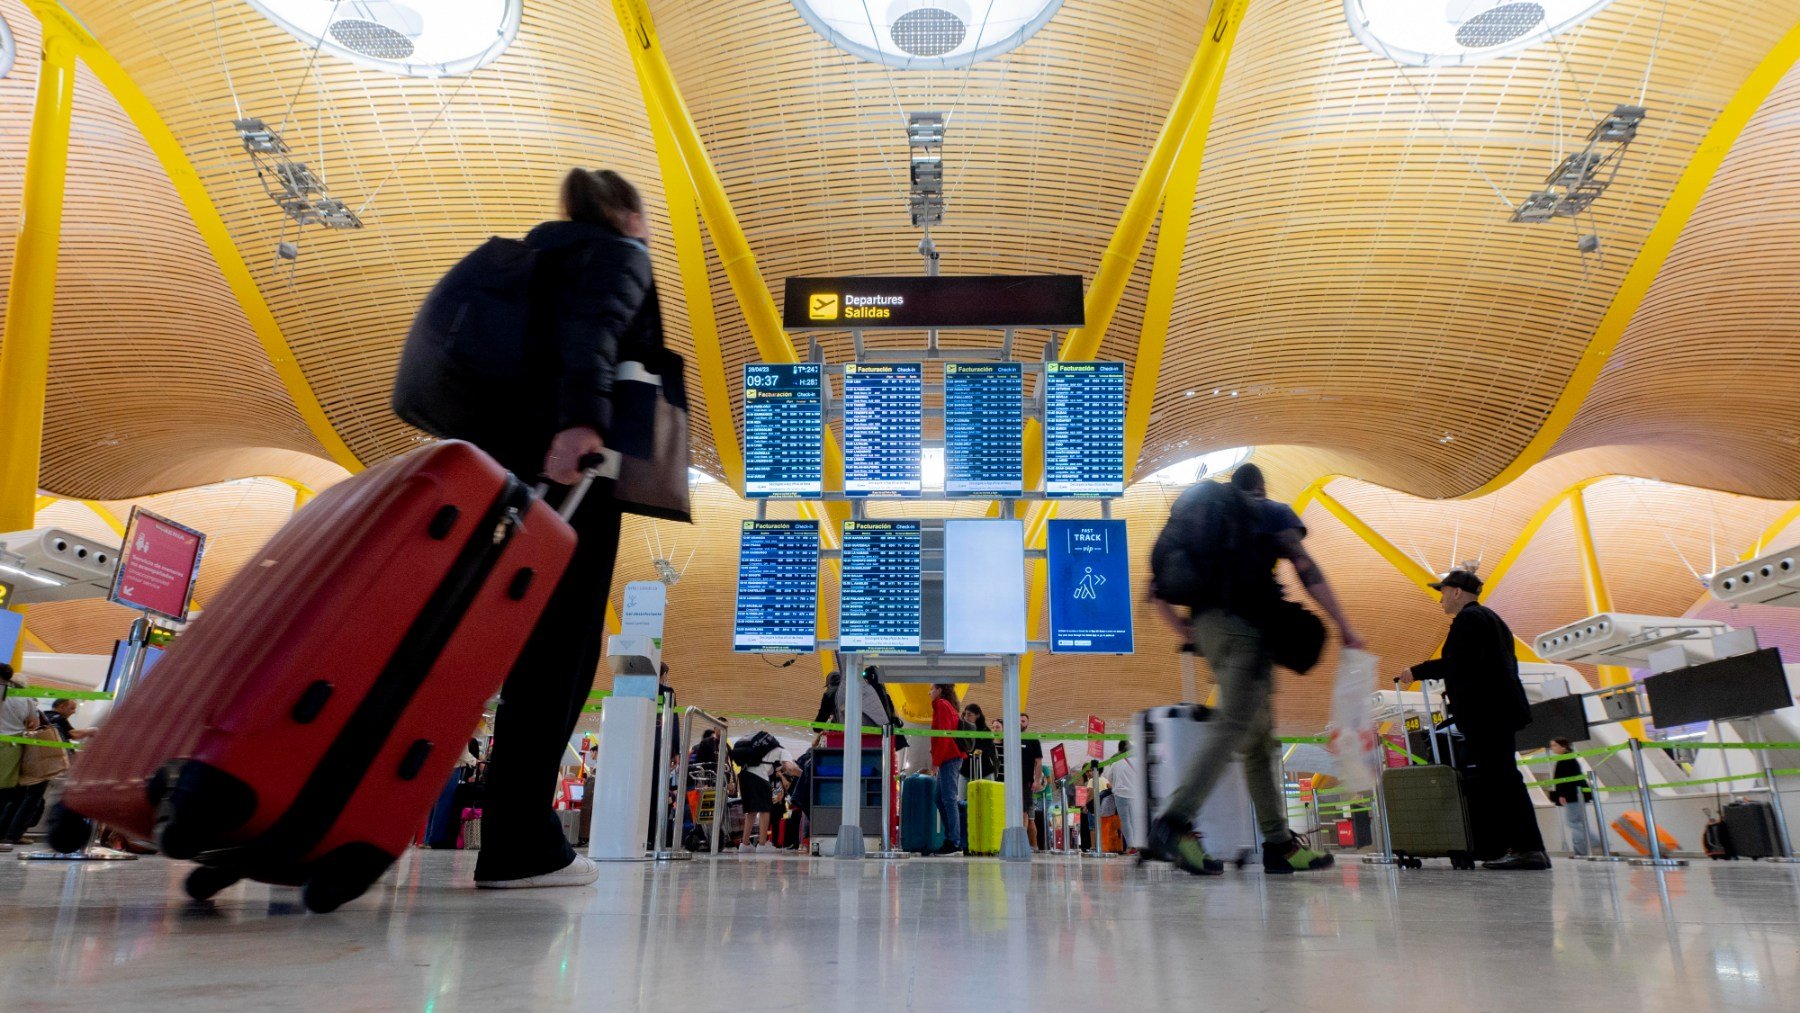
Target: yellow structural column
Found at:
1599, 599
31, 297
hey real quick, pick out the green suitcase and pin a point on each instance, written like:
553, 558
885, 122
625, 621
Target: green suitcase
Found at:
1427, 815
987, 817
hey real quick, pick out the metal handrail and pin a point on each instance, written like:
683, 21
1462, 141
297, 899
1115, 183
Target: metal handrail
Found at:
681, 777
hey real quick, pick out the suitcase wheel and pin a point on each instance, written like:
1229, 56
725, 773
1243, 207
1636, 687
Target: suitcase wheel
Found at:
342, 876
195, 804
207, 880
1461, 862
67, 831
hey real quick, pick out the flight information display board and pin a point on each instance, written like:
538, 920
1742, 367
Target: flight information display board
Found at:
880, 598
778, 587
784, 430
882, 418
1089, 563
1084, 429
984, 417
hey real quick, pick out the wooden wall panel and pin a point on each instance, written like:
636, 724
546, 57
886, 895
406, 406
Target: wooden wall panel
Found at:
156, 380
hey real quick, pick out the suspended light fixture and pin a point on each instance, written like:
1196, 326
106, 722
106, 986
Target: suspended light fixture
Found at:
420, 38
927, 34
1438, 33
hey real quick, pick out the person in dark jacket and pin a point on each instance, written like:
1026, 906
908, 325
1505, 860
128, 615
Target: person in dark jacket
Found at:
594, 297
1487, 702
984, 753
1571, 796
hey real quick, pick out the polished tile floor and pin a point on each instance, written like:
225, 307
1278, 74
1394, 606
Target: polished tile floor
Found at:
756, 933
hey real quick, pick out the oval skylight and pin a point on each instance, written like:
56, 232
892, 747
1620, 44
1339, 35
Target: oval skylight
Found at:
9, 49
1213, 465
1446, 33
927, 34
418, 38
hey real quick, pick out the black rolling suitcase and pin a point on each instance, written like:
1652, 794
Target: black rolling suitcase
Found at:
1750, 830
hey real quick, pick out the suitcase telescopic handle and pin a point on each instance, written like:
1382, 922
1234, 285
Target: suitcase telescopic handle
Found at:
604, 464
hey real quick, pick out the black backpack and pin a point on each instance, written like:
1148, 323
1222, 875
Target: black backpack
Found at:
750, 752
471, 340
1212, 553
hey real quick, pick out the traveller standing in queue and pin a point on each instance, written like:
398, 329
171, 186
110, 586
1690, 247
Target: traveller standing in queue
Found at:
1572, 796
18, 715
1217, 558
947, 755
1031, 776
984, 752
594, 305
1487, 702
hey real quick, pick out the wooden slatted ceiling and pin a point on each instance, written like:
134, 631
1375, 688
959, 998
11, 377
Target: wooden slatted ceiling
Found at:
156, 380
1709, 359
1348, 272
238, 518
563, 94
1040, 153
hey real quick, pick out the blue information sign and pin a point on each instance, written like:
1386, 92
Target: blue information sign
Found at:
784, 430
1090, 587
1084, 429
984, 415
880, 598
882, 413
778, 587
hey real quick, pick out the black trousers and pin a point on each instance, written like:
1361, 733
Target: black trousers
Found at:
24, 812
1501, 815
540, 703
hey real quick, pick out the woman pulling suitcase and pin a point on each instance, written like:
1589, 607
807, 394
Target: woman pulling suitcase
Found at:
594, 296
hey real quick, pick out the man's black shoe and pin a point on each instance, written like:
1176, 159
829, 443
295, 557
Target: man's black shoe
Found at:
1514, 861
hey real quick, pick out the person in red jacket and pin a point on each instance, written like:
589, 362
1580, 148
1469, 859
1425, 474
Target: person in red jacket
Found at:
947, 757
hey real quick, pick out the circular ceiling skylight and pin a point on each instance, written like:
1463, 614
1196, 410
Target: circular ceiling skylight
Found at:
9, 50
1444, 33
418, 38
927, 34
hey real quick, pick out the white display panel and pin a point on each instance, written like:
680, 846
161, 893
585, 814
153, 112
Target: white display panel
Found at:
984, 587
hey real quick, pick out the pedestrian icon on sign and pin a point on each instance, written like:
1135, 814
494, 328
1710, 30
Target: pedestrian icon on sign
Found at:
1089, 586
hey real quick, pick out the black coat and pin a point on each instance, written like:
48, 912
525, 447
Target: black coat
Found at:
1480, 673
595, 304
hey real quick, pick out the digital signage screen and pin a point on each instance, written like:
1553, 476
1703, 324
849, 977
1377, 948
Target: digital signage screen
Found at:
882, 439
984, 417
1084, 429
778, 587
784, 430
1090, 587
881, 593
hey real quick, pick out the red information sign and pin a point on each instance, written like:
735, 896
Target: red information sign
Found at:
158, 566
1096, 748
1059, 761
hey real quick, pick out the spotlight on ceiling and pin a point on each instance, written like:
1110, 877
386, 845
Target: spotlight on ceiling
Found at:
925, 141
295, 188
1583, 176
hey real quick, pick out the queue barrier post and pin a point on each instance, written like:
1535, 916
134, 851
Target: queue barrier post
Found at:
1656, 859
890, 848
662, 844
1784, 842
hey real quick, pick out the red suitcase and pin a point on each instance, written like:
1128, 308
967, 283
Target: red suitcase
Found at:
299, 732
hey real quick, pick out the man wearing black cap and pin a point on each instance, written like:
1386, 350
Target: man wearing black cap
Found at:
1480, 673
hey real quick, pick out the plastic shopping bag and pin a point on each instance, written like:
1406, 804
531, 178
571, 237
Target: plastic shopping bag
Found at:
1353, 738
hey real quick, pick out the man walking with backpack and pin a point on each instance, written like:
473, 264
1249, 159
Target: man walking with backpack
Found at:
1216, 558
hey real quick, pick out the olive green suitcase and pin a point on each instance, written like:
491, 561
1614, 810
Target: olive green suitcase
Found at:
1427, 815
